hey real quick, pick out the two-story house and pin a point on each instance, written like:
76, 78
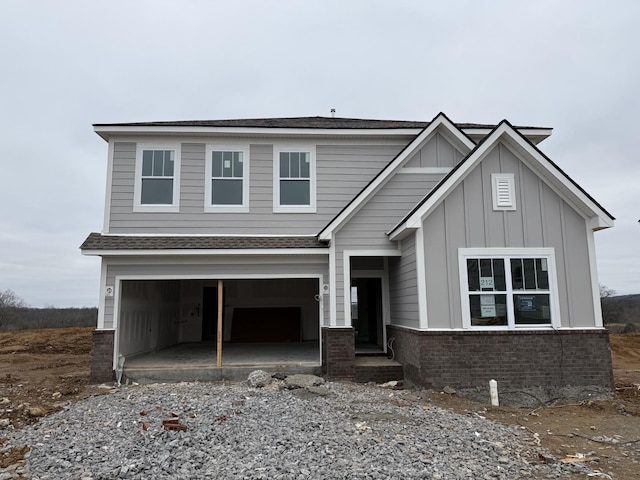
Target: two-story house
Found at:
459, 249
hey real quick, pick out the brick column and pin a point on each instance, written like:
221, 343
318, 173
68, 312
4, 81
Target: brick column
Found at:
338, 353
102, 357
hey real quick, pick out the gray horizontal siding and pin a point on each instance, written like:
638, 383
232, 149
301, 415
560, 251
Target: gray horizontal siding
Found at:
543, 219
342, 171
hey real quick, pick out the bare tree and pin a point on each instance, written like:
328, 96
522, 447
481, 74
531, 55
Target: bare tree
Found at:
606, 292
9, 299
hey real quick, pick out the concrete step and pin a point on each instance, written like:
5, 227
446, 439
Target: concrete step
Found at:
378, 369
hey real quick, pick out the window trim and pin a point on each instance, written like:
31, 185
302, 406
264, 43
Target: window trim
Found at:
306, 148
507, 254
208, 206
138, 206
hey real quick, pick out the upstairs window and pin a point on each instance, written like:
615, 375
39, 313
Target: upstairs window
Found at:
294, 181
227, 187
157, 178
507, 291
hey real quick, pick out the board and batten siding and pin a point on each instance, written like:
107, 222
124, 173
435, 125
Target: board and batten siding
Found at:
214, 268
403, 286
466, 219
437, 152
342, 170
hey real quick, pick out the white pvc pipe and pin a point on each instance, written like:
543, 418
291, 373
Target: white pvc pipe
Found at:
493, 392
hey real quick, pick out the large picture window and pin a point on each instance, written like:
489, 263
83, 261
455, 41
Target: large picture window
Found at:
294, 181
227, 173
509, 290
157, 178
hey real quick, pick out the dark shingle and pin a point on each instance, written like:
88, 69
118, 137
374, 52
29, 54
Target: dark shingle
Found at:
294, 122
97, 241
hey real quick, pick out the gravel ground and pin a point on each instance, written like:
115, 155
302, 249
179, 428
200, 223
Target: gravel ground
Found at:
338, 430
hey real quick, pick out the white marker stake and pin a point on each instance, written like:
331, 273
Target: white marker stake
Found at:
493, 391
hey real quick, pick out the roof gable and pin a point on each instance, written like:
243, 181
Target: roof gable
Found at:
440, 124
555, 177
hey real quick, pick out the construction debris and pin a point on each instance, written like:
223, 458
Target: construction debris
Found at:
173, 424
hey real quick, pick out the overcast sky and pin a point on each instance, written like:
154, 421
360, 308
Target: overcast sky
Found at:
570, 65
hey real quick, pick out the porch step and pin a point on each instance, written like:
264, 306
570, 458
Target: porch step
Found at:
175, 374
378, 369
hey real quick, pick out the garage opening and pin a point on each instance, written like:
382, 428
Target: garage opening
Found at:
263, 322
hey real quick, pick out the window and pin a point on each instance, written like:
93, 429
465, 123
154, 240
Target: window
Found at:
227, 188
294, 179
507, 290
503, 189
157, 179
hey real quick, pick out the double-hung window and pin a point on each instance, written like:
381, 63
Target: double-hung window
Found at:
508, 288
294, 180
157, 178
227, 173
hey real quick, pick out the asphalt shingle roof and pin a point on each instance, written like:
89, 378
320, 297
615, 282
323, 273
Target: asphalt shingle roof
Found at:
295, 122
97, 241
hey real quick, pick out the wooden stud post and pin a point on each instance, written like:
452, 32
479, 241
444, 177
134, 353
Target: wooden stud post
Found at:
219, 336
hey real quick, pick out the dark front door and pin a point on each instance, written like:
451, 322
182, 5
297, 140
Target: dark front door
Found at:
366, 312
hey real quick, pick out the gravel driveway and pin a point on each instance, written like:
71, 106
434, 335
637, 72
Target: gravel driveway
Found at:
339, 430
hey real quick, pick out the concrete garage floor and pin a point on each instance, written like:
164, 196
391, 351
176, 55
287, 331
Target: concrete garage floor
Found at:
190, 362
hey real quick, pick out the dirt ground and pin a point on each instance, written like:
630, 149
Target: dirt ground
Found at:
41, 371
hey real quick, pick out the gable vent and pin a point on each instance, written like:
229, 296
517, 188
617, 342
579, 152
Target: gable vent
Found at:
503, 191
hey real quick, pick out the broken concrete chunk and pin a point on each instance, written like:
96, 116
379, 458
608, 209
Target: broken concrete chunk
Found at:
303, 381
449, 390
259, 379
37, 412
320, 391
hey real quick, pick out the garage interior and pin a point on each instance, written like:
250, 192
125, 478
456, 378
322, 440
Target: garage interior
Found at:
200, 324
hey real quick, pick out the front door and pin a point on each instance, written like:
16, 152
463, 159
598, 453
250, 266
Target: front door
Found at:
366, 314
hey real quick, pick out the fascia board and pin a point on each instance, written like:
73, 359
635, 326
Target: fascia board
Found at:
440, 121
202, 252
558, 178
106, 131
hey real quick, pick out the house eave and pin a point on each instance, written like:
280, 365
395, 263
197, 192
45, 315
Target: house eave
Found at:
205, 252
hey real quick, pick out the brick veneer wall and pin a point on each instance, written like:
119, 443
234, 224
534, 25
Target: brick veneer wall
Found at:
338, 353
514, 359
102, 357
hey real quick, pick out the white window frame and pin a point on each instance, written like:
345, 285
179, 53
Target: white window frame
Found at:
507, 254
305, 148
508, 180
138, 206
208, 206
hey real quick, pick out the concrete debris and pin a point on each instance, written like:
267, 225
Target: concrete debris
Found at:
449, 390
302, 381
37, 412
259, 379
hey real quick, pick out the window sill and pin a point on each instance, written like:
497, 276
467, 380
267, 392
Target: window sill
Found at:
227, 209
156, 208
294, 209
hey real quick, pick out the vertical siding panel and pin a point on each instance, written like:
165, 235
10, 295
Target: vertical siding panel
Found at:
436, 270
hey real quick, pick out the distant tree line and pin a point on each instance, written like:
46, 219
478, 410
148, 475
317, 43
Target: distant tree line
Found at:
621, 313
15, 314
